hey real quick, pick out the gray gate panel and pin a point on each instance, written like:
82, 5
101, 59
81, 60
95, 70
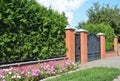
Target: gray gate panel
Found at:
93, 47
77, 47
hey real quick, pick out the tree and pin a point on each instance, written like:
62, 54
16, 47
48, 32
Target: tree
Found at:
105, 14
106, 29
30, 31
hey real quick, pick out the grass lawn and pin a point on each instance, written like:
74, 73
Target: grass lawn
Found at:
92, 74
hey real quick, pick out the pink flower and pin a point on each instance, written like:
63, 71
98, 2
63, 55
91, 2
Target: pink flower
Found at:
35, 72
3, 80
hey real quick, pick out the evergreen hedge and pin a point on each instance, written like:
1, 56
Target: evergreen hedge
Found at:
30, 31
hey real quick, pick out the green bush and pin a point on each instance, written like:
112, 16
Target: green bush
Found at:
30, 31
106, 29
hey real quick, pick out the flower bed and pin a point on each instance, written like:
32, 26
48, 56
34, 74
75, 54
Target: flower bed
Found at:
35, 73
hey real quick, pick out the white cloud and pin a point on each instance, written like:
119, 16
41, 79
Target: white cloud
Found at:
69, 15
67, 6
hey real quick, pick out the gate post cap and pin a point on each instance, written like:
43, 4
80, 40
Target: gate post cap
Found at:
99, 34
69, 28
81, 30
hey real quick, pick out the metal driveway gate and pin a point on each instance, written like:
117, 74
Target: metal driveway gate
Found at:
77, 47
93, 47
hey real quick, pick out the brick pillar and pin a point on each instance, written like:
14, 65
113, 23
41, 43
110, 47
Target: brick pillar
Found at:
70, 43
102, 45
116, 45
83, 46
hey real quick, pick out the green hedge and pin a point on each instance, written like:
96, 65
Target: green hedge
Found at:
29, 30
106, 29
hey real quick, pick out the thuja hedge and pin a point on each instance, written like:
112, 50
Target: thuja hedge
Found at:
30, 31
102, 28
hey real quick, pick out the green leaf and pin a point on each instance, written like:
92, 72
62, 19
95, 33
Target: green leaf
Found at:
0, 15
35, 50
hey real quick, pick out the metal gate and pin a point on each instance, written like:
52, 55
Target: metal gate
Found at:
93, 47
77, 47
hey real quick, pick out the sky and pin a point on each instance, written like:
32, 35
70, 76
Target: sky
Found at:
75, 10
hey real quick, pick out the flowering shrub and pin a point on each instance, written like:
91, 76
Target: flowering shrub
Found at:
18, 74
34, 73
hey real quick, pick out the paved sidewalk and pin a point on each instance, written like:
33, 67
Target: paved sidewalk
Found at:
108, 62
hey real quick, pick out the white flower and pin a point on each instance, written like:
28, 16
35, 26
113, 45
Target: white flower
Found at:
18, 76
13, 76
28, 72
10, 72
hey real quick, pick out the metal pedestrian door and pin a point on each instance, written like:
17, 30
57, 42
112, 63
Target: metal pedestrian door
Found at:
77, 47
93, 47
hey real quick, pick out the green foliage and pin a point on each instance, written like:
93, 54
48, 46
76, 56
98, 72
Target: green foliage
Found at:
106, 29
105, 14
29, 30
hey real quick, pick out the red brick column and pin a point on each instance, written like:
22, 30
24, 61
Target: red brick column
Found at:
116, 45
70, 43
102, 45
83, 46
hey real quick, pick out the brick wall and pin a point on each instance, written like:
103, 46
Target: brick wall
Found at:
59, 61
